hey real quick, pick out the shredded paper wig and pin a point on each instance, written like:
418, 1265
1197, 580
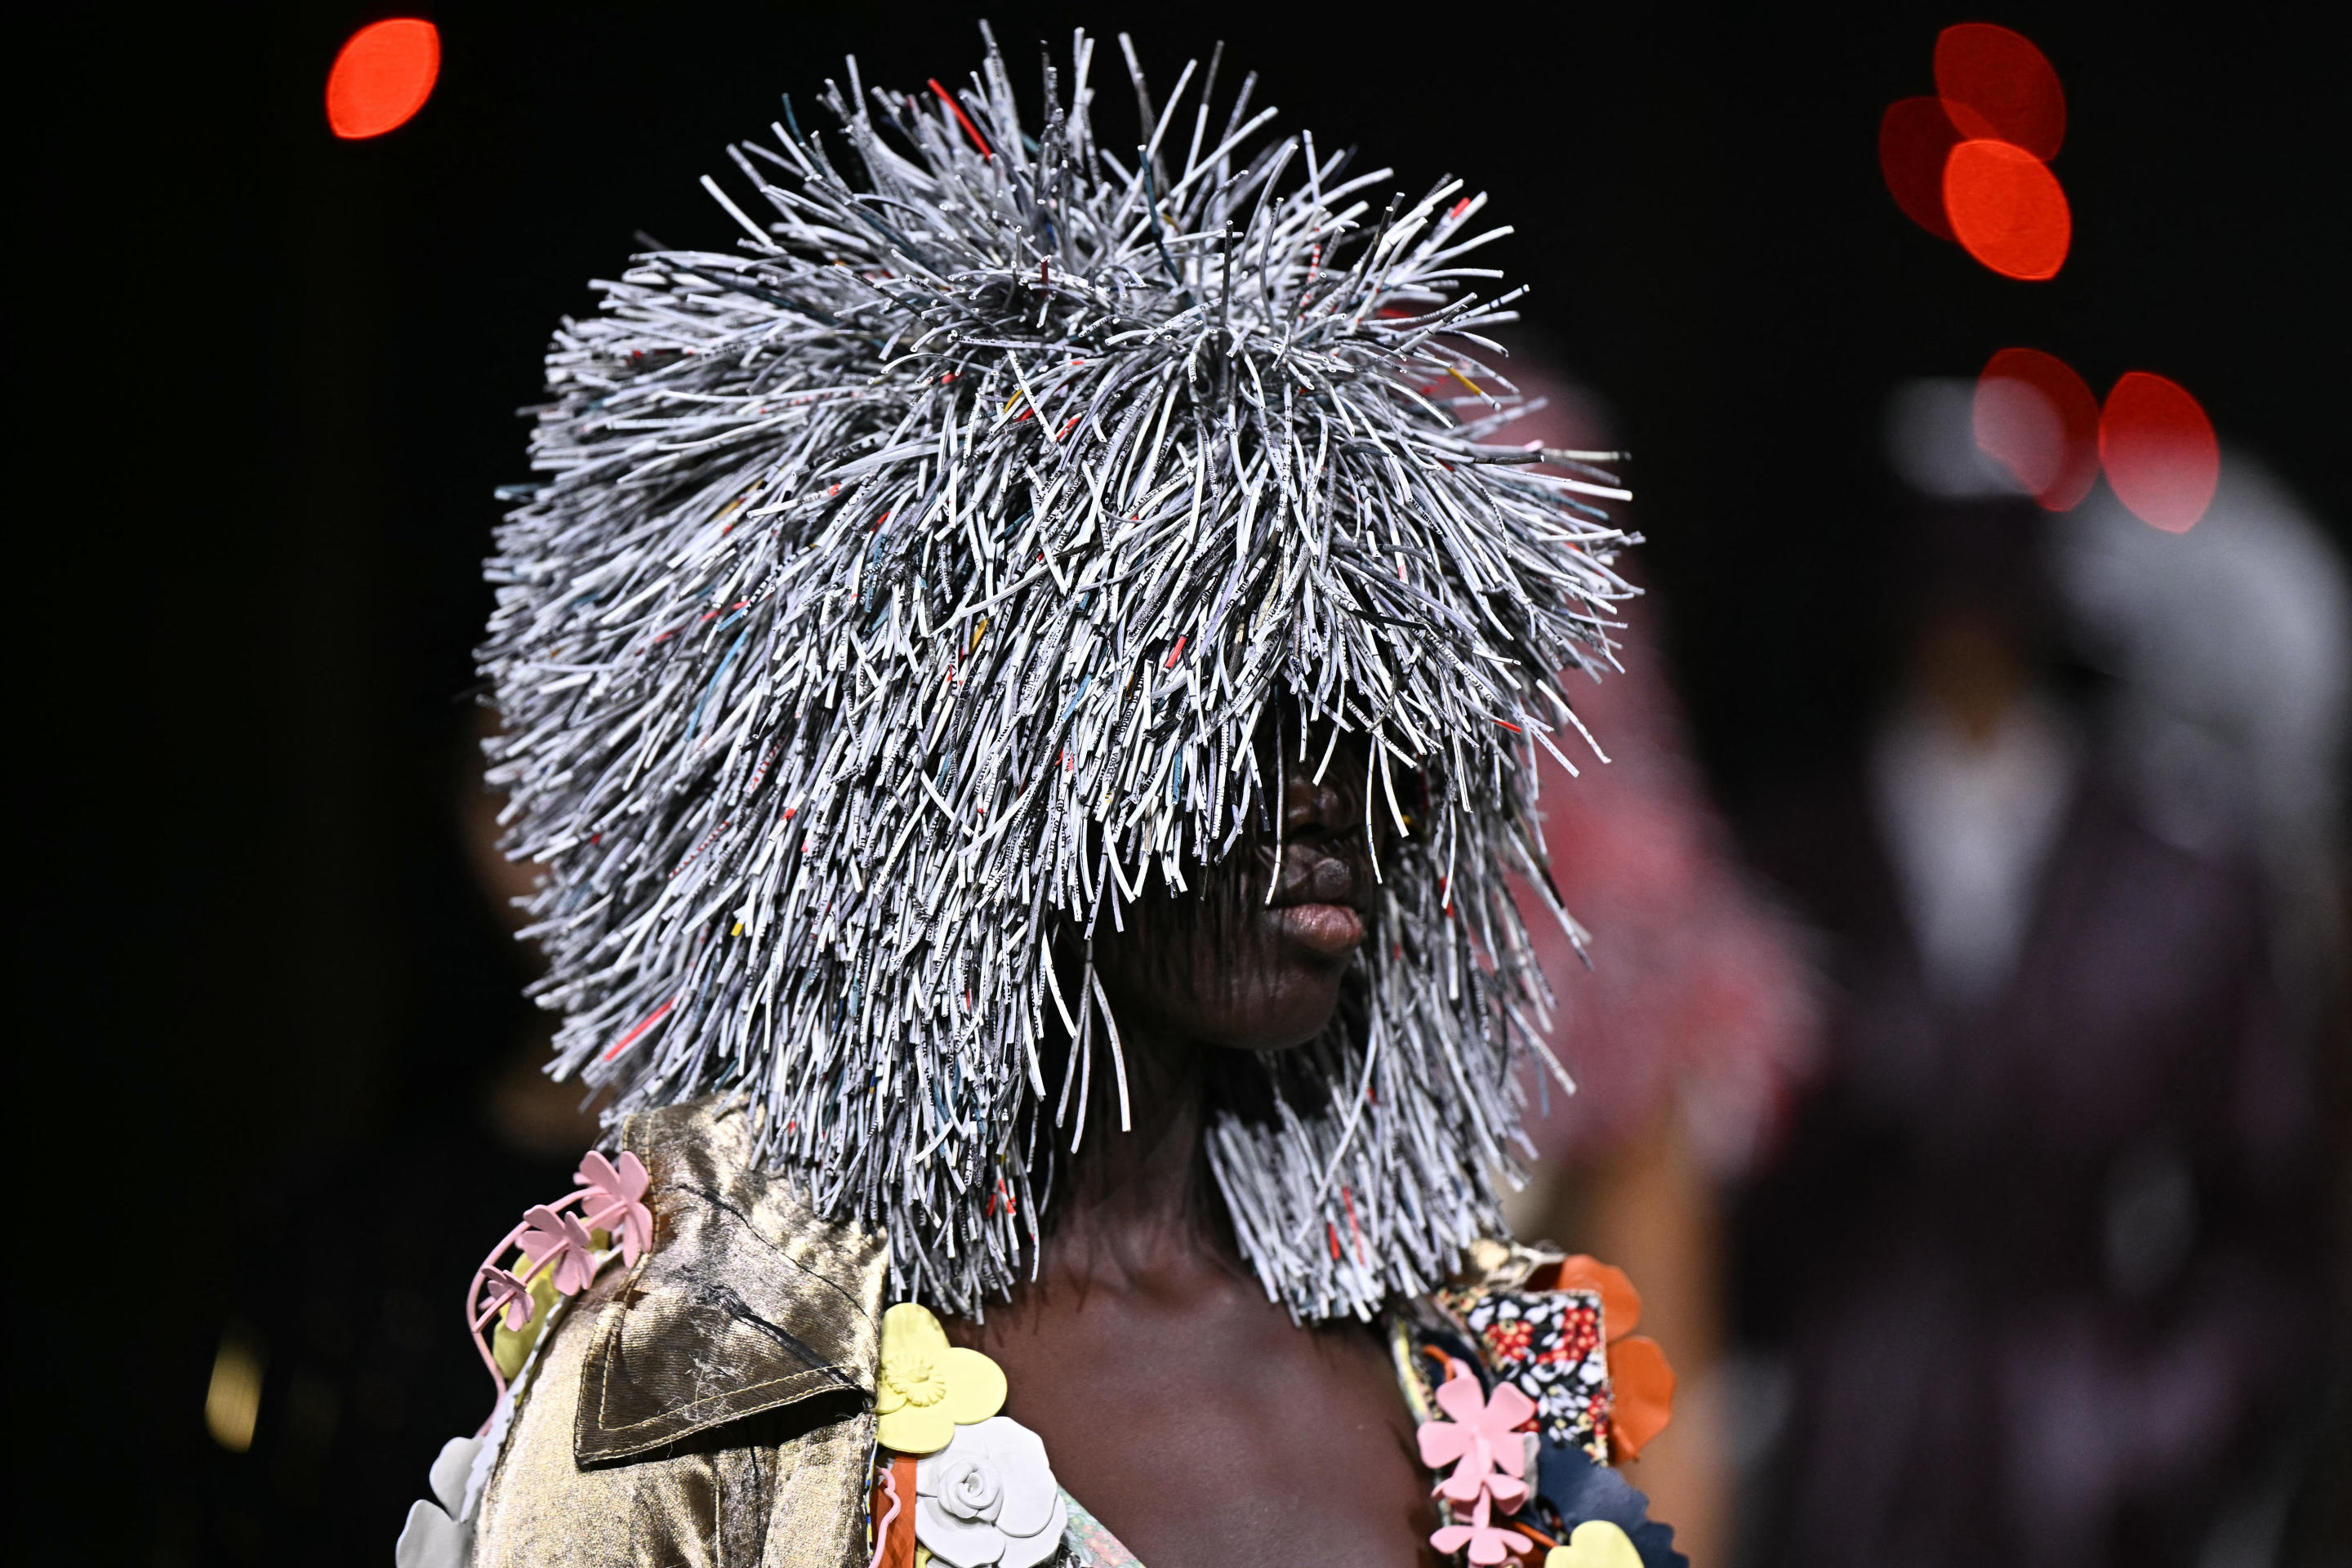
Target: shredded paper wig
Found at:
906, 589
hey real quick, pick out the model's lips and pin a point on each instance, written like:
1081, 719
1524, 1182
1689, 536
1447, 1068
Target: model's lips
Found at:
1327, 928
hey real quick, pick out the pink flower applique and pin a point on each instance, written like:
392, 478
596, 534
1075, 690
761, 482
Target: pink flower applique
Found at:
1483, 1443
1486, 1543
504, 1291
557, 1243
560, 1243
615, 1201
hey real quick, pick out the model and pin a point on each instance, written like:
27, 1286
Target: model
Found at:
1024, 681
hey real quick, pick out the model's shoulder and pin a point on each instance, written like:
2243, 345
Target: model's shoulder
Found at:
683, 1326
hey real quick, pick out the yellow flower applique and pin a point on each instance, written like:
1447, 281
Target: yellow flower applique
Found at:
1595, 1544
509, 1347
929, 1387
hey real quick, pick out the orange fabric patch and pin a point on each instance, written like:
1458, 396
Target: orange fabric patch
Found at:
1644, 1386
899, 1539
1621, 1304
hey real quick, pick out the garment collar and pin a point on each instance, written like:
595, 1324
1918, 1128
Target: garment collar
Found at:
745, 1302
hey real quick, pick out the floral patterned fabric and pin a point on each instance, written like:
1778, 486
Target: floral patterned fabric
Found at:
1548, 1344
1552, 1347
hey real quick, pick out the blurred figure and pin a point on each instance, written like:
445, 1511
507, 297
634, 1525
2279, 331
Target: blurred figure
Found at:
1683, 1034
2040, 1255
2231, 648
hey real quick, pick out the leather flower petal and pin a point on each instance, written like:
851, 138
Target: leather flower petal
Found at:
1595, 1544
452, 1470
1484, 1435
1644, 1388
1460, 1397
1483, 1543
988, 1497
1443, 1442
1030, 1489
559, 1244
1467, 1484
431, 1539
910, 1326
962, 1542
627, 1180
615, 1200
975, 1387
1505, 1412
503, 1291
1621, 1304
510, 1347
915, 1429
928, 1387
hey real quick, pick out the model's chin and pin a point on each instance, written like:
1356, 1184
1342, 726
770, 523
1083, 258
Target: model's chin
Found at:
1298, 1006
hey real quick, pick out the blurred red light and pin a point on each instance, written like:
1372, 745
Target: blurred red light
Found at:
1914, 138
381, 77
2160, 452
2007, 209
2039, 419
1997, 86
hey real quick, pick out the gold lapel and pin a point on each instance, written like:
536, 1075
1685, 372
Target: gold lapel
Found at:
745, 1302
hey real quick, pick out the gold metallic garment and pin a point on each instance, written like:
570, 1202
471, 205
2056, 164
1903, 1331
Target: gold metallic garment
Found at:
712, 1405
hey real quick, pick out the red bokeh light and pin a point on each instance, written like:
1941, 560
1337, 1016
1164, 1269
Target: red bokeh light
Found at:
381, 77
2036, 418
2007, 209
2160, 452
1915, 137
1997, 86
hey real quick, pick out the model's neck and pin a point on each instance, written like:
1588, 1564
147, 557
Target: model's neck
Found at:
1133, 1202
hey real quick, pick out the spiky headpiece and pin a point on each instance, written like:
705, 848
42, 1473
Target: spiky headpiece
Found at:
908, 588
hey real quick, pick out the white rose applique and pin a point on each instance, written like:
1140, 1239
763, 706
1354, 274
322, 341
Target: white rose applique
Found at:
988, 1500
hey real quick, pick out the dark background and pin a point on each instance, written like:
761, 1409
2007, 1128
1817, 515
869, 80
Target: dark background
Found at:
271, 380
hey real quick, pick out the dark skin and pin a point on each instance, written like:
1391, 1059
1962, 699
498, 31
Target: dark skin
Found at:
1189, 1414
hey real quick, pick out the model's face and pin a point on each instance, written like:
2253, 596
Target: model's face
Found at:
1223, 965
